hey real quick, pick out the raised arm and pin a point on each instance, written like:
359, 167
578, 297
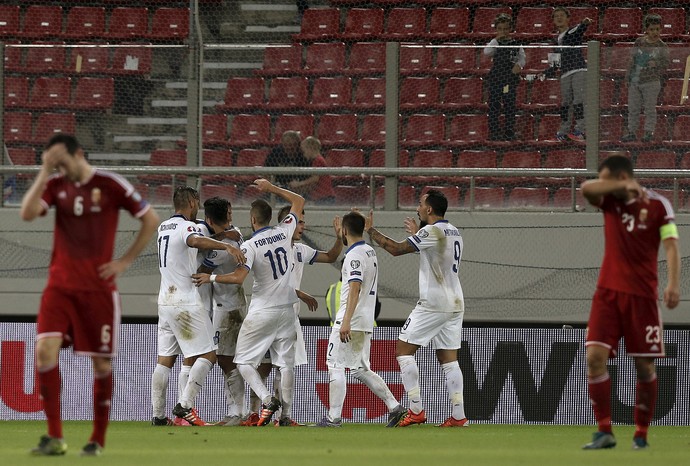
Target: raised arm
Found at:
31, 202
595, 190
332, 254
396, 248
296, 201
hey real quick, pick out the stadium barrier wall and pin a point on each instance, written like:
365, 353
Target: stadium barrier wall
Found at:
532, 375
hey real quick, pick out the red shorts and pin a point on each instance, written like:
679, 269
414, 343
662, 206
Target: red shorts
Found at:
88, 320
615, 314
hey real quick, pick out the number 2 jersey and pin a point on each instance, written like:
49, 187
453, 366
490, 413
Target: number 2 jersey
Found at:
633, 231
440, 250
85, 226
269, 255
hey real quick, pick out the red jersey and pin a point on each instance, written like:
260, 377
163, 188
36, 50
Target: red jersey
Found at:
324, 187
632, 237
85, 226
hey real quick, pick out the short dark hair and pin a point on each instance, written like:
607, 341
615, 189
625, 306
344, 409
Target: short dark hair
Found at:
261, 211
68, 140
563, 9
651, 19
282, 213
502, 18
353, 222
437, 201
617, 164
216, 208
182, 196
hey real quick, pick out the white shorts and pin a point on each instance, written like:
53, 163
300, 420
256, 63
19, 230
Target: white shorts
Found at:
300, 348
227, 327
443, 328
187, 330
270, 329
351, 355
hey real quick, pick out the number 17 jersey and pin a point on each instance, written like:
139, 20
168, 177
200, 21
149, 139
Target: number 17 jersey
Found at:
440, 250
269, 256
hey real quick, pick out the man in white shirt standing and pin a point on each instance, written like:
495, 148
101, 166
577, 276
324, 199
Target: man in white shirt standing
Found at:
270, 321
440, 309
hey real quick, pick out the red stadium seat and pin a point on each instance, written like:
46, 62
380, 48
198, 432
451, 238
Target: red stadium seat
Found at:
546, 131
419, 93
448, 24
282, 60
243, 94
16, 91
429, 159
608, 98
216, 158
424, 130
324, 59
169, 24
345, 158
162, 195
9, 20
363, 24
214, 130
134, 60
128, 23
405, 24
486, 198
165, 158
303, 124
678, 54
367, 58
23, 156
42, 21
565, 158
546, 96
537, 59
620, 23
577, 14
85, 22
89, 60
250, 130
610, 129
331, 93
483, 23
370, 94
477, 159
463, 94
534, 23
49, 124
352, 195
287, 93
94, 94
454, 60
319, 24
377, 158
17, 128
13, 57
338, 130
521, 159
50, 93
46, 59
659, 159
681, 131
562, 198
415, 59
225, 191
467, 131
670, 99
249, 158
373, 131
672, 22
617, 59
521, 197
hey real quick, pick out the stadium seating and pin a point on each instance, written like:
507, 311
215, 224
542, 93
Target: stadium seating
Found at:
363, 24
608, 98
367, 58
521, 197
448, 24
373, 131
85, 22
419, 94
330, 94
429, 159
324, 59
534, 23
678, 54
577, 14
127, 23
16, 91
337, 130
673, 22
319, 24
17, 128
370, 95
679, 135
562, 199
424, 130
13, 56
377, 158
169, 24
224, 191
345, 158
670, 98
243, 94
616, 59
216, 158
9, 20
23, 156
281, 61
287, 93
405, 24
483, 22
42, 21
47, 59
546, 131
415, 59
463, 94
134, 60
620, 23
50, 93
89, 59
250, 130
565, 158
303, 124
165, 158
407, 196
486, 198
214, 129
93, 94
49, 124
452, 193
546, 96
610, 129
467, 131
346, 195
656, 159
454, 61
161, 194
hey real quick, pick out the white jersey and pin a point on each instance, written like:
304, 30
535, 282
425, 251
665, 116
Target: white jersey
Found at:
302, 254
440, 248
359, 265
177, 262
205, 290
225, 296
269, 256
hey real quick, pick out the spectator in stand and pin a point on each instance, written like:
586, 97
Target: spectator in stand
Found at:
571, 63
316, 188
648, 61
287, 154
504, 78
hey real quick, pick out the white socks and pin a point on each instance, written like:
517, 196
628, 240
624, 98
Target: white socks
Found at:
454, 383
182, 380
252, 377
286, 381
197, 376
376, 384
409, 373
336, 393
234, 393
159, 389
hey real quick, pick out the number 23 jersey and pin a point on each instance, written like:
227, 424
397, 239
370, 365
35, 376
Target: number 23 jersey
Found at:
440, 250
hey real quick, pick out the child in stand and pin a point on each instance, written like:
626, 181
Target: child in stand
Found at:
504, 78
648, 62
316, 188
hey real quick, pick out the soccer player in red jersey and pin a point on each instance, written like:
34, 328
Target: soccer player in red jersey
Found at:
80, 305
625, 303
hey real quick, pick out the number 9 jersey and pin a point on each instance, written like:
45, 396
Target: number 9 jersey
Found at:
440, 249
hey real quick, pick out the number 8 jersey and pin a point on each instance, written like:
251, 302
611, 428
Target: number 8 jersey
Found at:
440, 249
269, 256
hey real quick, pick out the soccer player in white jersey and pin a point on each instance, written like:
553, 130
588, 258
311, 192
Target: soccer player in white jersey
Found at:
441, 306
184, 325
270, 321
229, 305
350, 341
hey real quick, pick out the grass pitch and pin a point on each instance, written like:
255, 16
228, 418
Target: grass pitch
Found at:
138, 443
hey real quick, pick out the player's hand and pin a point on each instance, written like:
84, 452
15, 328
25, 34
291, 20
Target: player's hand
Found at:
309, 300
338, 226
232, 235
411, 226
52, 157
263, 184
345, 333
671, 297
112, 269
201, 278
237, 254
369, 220
637, 191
